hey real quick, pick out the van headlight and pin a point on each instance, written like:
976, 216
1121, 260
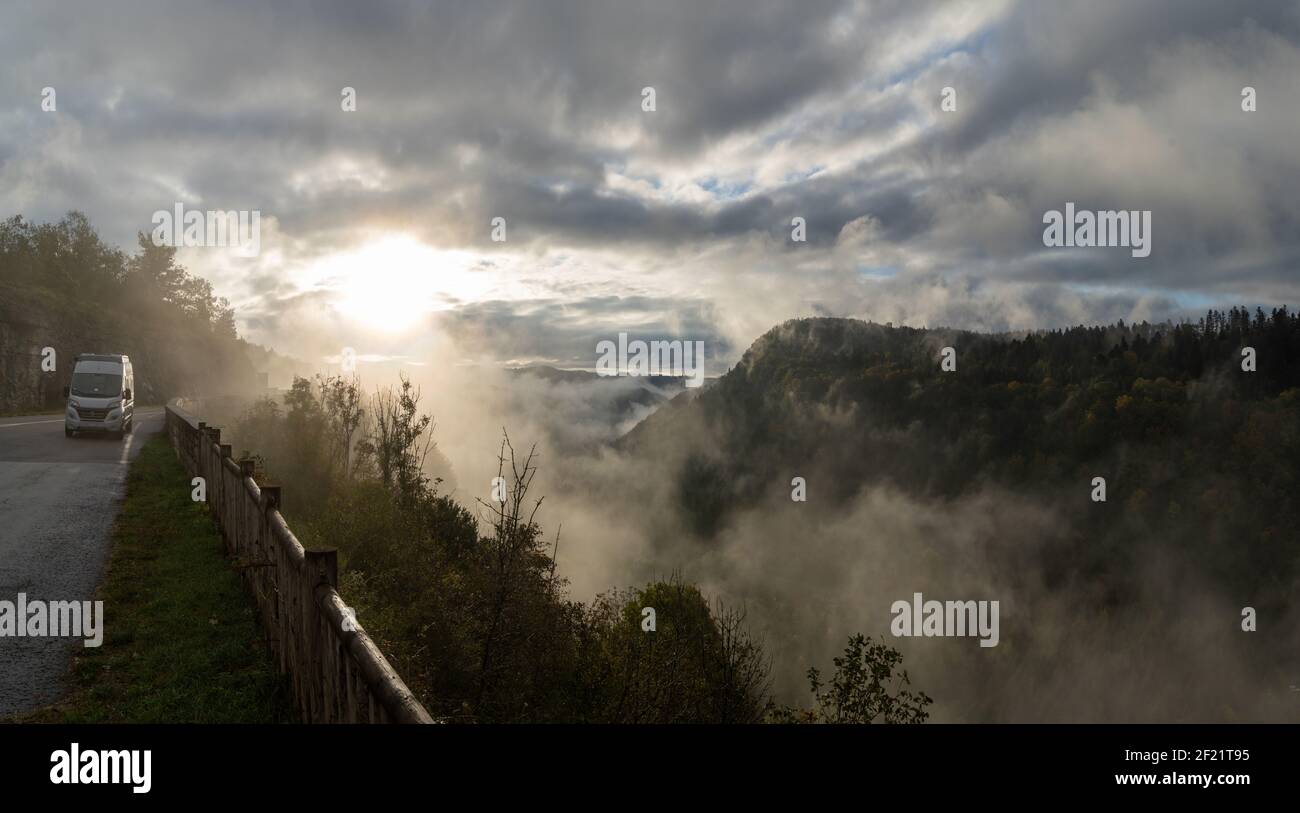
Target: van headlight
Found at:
115, 405
73, 403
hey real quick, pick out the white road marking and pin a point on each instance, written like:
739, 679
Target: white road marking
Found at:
126, 447
60, 420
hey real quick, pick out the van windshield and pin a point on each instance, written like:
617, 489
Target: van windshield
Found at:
96, 385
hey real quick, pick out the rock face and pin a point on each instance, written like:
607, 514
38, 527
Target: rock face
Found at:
23, 385
168, 361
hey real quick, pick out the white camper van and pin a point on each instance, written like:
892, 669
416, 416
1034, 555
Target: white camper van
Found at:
102, 396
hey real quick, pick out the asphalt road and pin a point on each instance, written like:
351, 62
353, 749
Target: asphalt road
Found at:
58, 499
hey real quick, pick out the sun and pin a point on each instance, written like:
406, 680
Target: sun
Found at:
392, 283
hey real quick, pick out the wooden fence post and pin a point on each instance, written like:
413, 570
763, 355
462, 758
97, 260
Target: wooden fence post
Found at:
240, 542
321, 567
197, 449
223, 515
276, 585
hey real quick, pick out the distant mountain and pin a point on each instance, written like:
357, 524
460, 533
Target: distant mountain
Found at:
582, 410
628, 391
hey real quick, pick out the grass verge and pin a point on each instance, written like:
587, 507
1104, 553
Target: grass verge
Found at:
182, 642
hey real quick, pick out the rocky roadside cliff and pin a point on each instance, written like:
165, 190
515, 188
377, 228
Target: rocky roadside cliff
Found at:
169, 361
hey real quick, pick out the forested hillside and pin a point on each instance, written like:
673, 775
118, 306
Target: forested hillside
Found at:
982, 478
1183, 435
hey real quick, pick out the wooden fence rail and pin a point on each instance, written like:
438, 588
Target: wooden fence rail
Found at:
337, 671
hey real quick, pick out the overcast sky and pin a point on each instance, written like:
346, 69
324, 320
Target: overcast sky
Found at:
674, 223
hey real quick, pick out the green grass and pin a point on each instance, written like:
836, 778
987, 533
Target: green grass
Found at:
182, 642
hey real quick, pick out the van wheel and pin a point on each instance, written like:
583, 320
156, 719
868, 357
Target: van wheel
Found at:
118, 435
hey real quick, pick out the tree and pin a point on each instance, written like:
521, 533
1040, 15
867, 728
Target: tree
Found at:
155, 270
695, 666
341, 399
518, 580
399, 440
867, 688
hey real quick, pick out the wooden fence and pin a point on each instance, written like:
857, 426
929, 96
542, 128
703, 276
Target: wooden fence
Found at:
338, 673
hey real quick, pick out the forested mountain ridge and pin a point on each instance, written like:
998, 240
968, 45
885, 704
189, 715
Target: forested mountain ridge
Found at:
838, 468
1184, 437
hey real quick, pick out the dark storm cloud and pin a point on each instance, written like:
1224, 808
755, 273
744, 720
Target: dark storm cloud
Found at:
1043, 61
766, 110
230, 99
